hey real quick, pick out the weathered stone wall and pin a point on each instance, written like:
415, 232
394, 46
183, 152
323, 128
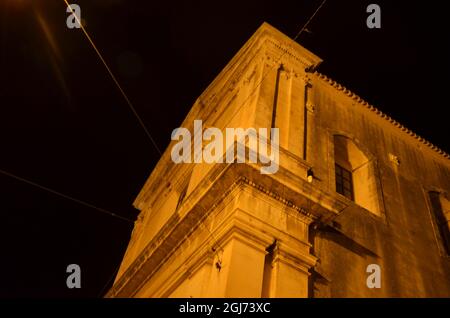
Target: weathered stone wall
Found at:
271, 81
402, 240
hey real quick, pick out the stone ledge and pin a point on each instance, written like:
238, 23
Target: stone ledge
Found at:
205, 197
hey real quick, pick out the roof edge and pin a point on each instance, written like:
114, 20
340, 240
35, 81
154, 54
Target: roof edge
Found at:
378, 112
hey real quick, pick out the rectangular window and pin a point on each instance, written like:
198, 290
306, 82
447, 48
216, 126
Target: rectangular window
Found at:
344, 182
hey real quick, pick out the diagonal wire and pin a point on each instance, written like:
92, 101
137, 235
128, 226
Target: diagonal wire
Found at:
309, 20
65, 196
113, 77
136, 114
264, 76
100, 294
180, 179
246, 99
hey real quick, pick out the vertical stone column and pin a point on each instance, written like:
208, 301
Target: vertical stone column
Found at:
283, 105
266, 93
238, 265
245, 269
296, 115
290, 273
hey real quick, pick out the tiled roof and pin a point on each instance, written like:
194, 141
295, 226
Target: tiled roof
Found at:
364, 103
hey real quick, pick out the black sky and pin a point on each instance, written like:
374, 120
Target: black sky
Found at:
64, 125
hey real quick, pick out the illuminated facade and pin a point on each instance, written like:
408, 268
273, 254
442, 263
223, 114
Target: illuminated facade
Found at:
353, 188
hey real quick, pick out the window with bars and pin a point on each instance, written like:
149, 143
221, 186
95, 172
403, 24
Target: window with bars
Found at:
344, 182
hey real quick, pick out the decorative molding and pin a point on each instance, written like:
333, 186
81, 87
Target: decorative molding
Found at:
300, 263
310, 107
394, 159
275, 196
289, 51
165, 232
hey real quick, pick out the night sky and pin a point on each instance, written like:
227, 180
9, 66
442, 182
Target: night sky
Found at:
64, 125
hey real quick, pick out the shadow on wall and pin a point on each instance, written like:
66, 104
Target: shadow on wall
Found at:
333, 234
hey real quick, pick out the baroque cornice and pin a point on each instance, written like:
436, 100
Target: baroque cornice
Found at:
357, 99
290, 52
149, 251
276, 196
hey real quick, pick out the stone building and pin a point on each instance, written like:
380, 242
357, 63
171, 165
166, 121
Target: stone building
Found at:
354, 188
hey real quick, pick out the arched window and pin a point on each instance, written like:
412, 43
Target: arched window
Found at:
441, 210
355, 176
